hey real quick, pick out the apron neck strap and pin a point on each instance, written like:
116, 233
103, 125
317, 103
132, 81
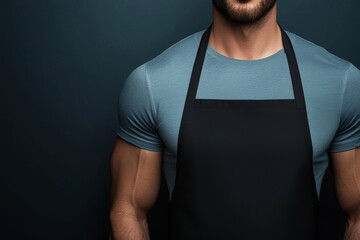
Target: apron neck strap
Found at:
294, 70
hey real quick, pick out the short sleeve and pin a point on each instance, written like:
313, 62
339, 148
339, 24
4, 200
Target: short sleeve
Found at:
136, 112
348, 134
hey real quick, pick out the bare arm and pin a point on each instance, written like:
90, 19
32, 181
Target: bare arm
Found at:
135, 184
347, 182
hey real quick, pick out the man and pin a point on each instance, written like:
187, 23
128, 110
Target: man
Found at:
244, 119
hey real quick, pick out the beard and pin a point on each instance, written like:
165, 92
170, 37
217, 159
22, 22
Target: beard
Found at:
243, 14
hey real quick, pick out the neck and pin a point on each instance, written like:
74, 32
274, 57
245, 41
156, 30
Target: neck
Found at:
246, 41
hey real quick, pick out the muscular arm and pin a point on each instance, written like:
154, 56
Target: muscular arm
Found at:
347, 181
135, 184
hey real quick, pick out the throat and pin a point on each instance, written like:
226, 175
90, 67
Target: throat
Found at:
250, 45
246, 41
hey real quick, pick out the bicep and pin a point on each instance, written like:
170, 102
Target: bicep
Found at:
347, 180
135, 176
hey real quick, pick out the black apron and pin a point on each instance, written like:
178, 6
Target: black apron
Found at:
244, 167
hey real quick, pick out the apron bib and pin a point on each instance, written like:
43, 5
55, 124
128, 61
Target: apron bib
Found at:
244, 167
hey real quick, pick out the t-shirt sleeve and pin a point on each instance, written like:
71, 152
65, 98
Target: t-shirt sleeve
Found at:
348, 133
136, 112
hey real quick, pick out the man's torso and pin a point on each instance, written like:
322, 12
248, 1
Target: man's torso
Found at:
163, 84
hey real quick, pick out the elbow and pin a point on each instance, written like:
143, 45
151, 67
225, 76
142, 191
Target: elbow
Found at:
120, 210
352, 212
353, 217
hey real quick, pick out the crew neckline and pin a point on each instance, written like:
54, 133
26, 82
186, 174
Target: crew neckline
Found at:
213, 52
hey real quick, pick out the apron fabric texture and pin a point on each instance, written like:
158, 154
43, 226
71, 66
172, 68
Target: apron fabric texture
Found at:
244, 167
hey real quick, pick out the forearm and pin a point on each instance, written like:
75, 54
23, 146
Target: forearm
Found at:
128, 227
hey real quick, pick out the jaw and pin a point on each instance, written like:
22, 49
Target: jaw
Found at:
243, 12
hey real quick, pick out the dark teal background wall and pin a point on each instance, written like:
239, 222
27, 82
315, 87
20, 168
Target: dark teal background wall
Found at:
62, 64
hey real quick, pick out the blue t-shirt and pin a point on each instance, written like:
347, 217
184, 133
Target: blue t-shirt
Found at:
152, 98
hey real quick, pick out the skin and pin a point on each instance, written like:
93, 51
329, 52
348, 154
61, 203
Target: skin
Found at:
245, 41
135, 185
136, 172
347, 183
